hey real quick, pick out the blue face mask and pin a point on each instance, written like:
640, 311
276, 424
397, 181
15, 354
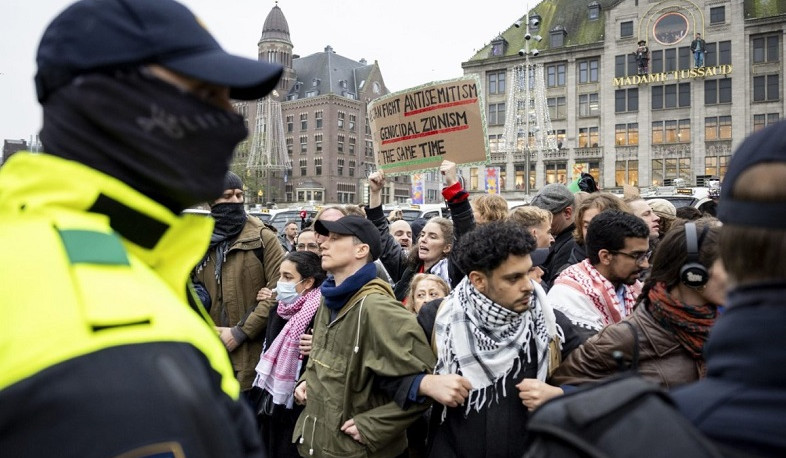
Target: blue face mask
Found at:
286, 293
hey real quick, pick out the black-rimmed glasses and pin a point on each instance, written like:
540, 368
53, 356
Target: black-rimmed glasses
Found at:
637, 257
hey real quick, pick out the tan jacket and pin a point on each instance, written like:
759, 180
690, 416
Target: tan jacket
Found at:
661, 358
234, 301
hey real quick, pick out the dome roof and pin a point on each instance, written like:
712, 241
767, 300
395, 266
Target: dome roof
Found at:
276, 27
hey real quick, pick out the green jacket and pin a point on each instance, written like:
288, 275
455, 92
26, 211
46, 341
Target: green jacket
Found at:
372, 336
234, 301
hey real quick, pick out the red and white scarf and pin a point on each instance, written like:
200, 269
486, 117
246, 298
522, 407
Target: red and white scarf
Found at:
278, 367
585, 278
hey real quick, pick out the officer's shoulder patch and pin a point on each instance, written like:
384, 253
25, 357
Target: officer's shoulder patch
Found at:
90, 247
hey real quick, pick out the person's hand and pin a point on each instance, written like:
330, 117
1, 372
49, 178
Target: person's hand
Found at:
447, 389
449, 172
533, 392
300, 394
376, 181
305, 344
350, 429
264, 294
229, 340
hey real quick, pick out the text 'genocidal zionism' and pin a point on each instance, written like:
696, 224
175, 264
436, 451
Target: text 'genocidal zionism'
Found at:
418, 114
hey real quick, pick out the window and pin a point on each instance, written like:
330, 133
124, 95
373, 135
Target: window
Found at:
556, 172
718, 15
766, 88
671, 131
352, 122
555, 75
351, 168
496, 114
671, 96
588, 105
724, 52
760, 121
715, 166
290, 123
340, 143
303, 166
290, 145
684, 58
625, 65
626, 172
717, 128
369, 148
318, 119
626, 100
670, 59
303, 144
588, 71
626, 134
765, 49
626, 29
473, 178
665, 171
717, 91
318, 166
351, 146
559, 136
588, 137
594, 11
557, 108
496, 143
340, 166
557, 37
318, 143
303, 121
519, 179
656, 61
341, 116
496, 82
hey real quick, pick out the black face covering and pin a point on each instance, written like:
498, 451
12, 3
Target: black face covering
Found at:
167, 144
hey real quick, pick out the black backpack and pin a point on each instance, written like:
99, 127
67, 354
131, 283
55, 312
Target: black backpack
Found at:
622, 416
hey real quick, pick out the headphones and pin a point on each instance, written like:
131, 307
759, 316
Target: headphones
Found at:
693, 273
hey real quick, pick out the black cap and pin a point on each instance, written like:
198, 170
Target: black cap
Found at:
355, 225
539, 256
642, 42
766, 145
100, 35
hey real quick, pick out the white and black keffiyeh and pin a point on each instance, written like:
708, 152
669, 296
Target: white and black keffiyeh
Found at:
483, 341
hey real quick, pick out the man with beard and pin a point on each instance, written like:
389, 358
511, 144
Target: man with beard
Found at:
103, 353
244, 256
557, 199
603, 288
497, 340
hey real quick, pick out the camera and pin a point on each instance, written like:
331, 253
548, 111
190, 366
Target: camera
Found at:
527, 36
517, 24
535, 52
534, 21
522, 52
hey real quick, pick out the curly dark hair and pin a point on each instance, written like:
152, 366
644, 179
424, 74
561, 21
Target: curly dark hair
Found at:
488, 245
308, 265
609, 230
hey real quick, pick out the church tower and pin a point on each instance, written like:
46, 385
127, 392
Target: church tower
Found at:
275, 46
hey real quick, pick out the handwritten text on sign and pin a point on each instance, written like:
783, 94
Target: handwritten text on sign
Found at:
418, 128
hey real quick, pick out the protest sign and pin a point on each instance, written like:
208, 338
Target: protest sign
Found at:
416, 129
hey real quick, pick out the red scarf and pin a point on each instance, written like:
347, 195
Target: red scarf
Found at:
690, 324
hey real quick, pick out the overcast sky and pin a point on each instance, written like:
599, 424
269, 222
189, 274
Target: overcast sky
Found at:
415, 41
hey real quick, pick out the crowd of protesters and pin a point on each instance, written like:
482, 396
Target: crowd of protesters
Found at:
134, 329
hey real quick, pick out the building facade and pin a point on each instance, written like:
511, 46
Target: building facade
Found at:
630, 126
323, 152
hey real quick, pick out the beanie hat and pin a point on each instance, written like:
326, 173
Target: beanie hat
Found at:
553, 197
232, 181
766, 145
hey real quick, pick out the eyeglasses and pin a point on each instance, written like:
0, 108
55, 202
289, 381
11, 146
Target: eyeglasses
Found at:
305, 246
638, 257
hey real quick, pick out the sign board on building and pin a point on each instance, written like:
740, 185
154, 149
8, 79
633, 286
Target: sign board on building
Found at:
416, 129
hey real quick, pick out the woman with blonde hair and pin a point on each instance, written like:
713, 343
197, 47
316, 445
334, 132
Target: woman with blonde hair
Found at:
489, 207
425, 288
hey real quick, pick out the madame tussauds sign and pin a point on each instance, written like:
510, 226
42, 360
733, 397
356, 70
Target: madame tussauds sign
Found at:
675, 75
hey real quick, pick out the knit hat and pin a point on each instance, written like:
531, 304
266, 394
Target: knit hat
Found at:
553, 197
764, 146
232, 181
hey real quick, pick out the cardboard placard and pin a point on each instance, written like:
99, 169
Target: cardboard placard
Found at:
416, 129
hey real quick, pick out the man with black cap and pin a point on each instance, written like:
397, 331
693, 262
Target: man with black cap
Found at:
362, 337
557, 199
742, 400
102, 355
244, 256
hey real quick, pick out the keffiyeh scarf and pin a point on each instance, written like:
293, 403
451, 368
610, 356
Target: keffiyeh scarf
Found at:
483, 341
277, 370
585, 278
